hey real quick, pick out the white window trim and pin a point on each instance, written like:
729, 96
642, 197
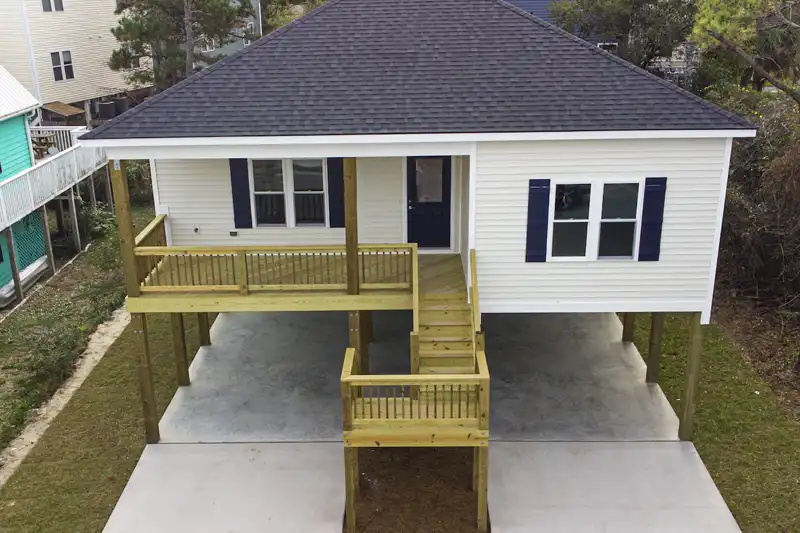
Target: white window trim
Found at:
288, 195
62, 65
595, 214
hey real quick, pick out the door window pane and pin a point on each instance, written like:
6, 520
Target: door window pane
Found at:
430, 177
307, 175
270, 209
309, 208
569, 239
572, 202
616, 239
620, 200
46, 5
59, 5
68, 72
55, 58
268, 175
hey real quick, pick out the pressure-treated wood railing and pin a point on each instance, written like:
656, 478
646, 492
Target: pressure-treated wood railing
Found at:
244, 269
415, 409
474, 300
154, 234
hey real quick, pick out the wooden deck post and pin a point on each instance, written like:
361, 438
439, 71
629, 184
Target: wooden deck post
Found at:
48, 243
139, 322
179, 348
689, 400
60, 217
367, 328
351, 487
654, 351
92, 192
354, 322
351, 223
628, 326
12, 261
483, 488
76, 231
127, 238
109, 195
204, 329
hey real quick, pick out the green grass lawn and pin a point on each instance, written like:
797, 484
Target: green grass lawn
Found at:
41, 340
747, 441
73, 477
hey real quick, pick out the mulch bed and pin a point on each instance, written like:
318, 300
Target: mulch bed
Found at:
410, 490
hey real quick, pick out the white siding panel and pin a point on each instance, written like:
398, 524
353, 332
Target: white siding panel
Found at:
380, 200
13, 44
83, 28
196, 194
680, 281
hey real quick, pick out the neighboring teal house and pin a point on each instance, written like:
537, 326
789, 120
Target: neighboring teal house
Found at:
16, 156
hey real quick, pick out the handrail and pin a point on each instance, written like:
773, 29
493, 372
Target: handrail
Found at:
474, 298
415, 285
174, 269
322, 248
149, 229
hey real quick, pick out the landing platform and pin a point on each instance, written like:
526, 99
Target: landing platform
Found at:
246, 488
597, 487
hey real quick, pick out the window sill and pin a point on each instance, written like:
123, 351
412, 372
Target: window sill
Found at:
590, 260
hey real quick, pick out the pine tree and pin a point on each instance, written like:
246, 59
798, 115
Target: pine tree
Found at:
152, 35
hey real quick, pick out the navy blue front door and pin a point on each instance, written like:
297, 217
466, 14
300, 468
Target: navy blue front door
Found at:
429, 201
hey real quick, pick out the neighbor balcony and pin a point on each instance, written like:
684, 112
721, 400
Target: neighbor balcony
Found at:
64, 165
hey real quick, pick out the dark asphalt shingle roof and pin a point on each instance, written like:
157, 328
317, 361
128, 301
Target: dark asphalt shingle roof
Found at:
416, 66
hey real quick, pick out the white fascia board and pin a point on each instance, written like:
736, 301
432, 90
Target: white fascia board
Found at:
416, 138
286, 151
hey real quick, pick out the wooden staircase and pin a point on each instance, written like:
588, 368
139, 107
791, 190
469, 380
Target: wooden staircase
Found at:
445, 334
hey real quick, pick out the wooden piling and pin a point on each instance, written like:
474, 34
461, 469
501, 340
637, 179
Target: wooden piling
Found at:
204, 329
689, 400
179, 348
654, 351
139, 323
628, 326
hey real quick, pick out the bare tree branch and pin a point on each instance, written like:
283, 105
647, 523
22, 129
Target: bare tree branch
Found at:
794, 94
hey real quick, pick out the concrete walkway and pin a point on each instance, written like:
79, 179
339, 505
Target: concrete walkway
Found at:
268, 388
596, 487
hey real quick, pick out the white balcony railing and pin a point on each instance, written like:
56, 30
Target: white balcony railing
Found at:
63, 137
32, 188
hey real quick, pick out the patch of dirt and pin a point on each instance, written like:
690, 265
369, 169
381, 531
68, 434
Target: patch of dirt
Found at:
771, 344
416, 490
99, 343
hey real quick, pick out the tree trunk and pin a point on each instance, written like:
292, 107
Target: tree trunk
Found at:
189, 30
758, 69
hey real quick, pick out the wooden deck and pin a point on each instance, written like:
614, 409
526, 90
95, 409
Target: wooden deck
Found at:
287, 278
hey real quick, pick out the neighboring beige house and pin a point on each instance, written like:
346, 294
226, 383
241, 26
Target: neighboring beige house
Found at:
59, 49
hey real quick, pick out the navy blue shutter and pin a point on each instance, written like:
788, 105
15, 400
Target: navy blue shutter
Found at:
655, 191
336, 191
240, 187
538, 220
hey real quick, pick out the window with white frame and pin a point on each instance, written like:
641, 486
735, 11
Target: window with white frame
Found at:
52, 5
62, 65
595, 220
289, 192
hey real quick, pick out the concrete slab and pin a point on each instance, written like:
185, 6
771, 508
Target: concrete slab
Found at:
242, 488
274, 377
594, 487
569, 377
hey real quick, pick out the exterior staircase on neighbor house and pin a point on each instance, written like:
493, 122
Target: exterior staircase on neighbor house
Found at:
445, 334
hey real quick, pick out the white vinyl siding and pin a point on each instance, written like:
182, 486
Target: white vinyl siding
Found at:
196, 194
680, 281
83, 28
13, 45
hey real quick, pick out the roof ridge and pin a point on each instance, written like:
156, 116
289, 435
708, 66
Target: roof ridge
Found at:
263, 41
679, 90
